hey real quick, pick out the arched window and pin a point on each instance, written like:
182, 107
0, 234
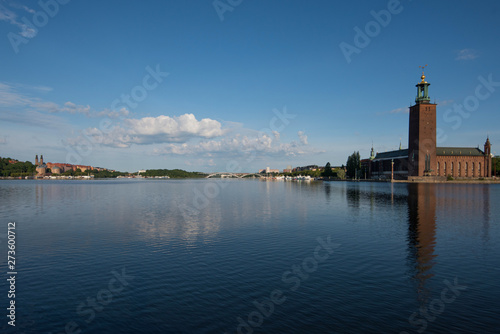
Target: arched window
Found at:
459, 169
479, 169
444, 173
452, 169
438, 168
473, 172
466, 169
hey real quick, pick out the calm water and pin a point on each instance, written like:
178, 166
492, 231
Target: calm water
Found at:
243, 256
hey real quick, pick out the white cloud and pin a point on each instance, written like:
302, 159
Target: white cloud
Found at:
303, 137
467, 54
11, 97
153, 130
29, 10
34, 118
174, 127
11, 17
236, 145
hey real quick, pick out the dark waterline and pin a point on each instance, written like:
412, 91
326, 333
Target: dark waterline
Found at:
215, 256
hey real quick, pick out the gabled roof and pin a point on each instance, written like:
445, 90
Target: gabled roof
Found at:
459, 151
398, 154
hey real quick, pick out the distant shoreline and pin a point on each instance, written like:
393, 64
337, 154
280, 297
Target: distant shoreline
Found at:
92, 178
85, 178
485, 181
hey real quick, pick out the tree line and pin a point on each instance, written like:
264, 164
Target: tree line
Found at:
172, 173
16, 169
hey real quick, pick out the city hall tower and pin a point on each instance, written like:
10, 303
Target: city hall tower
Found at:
422, 133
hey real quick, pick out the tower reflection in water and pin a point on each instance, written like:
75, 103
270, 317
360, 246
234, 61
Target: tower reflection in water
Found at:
421, 234
453, 215
460, 212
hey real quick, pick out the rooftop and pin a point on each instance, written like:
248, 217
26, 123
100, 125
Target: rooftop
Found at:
459, 151
397, 154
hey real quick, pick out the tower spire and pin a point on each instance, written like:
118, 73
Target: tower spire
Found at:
423, 75
423, 89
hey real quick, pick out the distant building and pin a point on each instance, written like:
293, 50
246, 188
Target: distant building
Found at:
422, 159
41, 168
268, 170
59, 168
56, 170
304, 168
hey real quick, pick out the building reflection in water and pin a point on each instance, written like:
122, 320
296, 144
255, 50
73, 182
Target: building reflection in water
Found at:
421, 234
456, 209
486, 214
39, 198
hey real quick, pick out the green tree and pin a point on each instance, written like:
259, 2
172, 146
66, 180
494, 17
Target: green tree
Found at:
327, 172
173, 173
353, 164
16, 169
340, 173
495, 164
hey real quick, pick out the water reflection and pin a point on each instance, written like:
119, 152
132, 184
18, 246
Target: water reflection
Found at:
458, 210
328, 191
375, 194
486, 215
421, 234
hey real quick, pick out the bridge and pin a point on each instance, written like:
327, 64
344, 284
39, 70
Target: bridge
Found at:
224, 175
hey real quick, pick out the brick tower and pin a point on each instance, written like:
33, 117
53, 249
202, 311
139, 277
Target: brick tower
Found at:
422, 133
487, 158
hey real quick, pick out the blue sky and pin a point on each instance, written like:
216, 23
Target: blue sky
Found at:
203, 85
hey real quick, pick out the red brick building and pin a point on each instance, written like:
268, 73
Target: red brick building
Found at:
423, 159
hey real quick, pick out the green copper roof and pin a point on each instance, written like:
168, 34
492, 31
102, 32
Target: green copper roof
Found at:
392, 155
459, 151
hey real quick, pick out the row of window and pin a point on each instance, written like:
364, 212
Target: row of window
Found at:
451, 171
